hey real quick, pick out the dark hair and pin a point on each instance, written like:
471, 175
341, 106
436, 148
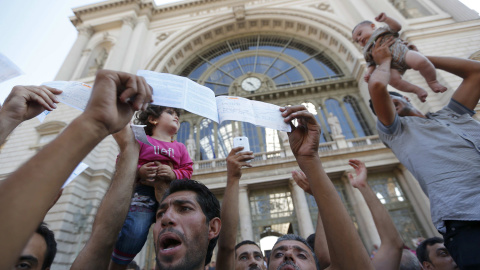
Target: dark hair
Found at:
422, 253
311, 240
391, 93
49, 237
294, 237
409, 261
205, 198
141, 117
360, 24
246, 242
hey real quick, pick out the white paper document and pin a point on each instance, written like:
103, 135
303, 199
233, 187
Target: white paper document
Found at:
180, 92
140, 135
8, 69
78, 170
74, 94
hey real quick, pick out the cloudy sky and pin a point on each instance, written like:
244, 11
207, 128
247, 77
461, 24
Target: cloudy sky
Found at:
37, 36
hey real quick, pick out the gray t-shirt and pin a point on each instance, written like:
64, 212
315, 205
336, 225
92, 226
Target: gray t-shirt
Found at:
442, 151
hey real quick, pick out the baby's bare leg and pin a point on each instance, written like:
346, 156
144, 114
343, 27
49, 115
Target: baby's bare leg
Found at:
160, 187
419, 62
402, 85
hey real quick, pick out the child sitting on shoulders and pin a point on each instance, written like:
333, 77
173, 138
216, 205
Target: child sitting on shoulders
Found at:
158, 165
366, 34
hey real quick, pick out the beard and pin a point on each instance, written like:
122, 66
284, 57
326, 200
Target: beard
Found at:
288, 263
194, 258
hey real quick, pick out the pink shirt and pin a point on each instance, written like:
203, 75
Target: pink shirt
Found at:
168, 153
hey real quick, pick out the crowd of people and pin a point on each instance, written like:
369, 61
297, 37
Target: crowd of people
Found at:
441, 149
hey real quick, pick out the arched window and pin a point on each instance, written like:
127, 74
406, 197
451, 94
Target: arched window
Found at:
285, 61
207, 141
333, 106
183, 132
255, 138
311, 108
357, 117
225, 138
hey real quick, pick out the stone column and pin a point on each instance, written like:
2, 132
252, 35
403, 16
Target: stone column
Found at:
246, 230
133, 54
66, 71
116, 57
82, 64
418, 199
363, 214
301, 209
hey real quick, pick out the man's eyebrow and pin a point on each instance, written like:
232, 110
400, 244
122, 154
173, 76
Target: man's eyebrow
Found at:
28, 258
279, 248
176, 202
257, 253
243, 253
300, 248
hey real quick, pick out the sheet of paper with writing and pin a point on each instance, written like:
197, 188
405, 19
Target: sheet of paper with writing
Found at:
180, 92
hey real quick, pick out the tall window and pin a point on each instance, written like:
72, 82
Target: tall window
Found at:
357, 117
391, 195
207, 141
183, 132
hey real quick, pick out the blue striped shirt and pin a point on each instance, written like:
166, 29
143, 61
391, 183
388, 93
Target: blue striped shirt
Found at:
442, 151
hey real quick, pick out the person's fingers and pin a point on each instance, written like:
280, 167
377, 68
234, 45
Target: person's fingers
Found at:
129, 83
39, 95
138, 102
148, 93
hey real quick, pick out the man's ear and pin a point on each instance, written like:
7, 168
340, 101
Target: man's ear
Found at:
427, 265
214, 228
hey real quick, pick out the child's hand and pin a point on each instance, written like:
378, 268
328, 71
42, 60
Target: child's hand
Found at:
165, 172
381, 17
148, 171
360, 180
367, 77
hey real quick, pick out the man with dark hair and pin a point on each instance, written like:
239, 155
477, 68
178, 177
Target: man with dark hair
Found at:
187, 226
432, 254
292, 250
39, 251
441, 149
248, 255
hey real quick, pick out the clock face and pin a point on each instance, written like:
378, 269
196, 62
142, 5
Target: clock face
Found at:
251, 84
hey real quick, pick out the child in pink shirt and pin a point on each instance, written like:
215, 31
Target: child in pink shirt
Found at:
158, 165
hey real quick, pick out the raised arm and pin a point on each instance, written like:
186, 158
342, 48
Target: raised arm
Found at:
321, 246
377, 85
342, 238
390, 252
229, 210
32, 188
113, 208
23, 103
468, 93
394, 25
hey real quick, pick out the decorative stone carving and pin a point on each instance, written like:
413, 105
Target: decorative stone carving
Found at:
239, 12
191, 147
85, 30
161, 38
334, 124
128, 20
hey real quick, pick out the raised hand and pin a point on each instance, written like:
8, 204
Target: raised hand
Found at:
305, 137
26, 102
236, 160
115, 97
360, 180
302, 181
381, 17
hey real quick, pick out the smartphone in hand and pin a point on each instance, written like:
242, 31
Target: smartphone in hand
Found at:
241, 141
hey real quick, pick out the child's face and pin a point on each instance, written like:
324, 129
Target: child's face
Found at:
362, 33
168, 121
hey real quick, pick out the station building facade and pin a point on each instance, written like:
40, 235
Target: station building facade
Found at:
277, 51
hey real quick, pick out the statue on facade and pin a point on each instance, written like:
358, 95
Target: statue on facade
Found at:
191, 147
335, 128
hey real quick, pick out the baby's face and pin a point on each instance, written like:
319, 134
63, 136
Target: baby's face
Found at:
362, 33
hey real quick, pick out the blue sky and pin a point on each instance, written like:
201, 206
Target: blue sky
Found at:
37, 36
